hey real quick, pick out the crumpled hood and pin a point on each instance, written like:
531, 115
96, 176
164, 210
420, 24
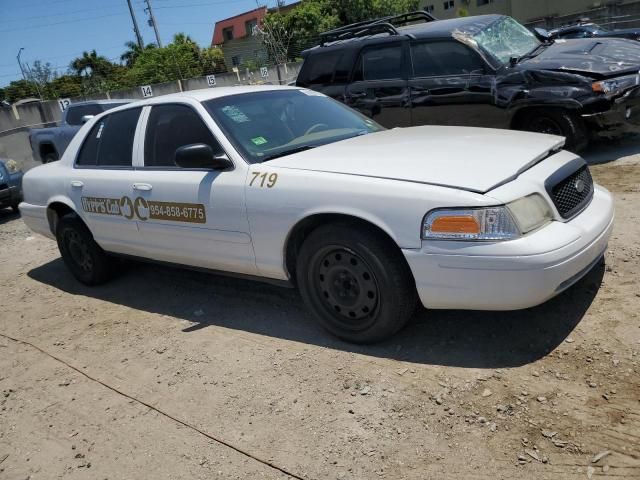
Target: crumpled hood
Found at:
604, 57
474, 159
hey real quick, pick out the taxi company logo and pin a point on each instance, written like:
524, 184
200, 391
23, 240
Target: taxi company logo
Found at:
144, 210
580, 185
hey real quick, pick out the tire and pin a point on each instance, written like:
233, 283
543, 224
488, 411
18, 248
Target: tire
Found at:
81, 254
356, 282
558, 122
50, 157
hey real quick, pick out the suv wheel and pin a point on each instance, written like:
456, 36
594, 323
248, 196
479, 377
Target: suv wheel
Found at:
82, 255
356, 282
558, 122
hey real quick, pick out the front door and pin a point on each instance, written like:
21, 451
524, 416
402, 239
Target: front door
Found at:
100, 185
379, 87
452, 85
193, 217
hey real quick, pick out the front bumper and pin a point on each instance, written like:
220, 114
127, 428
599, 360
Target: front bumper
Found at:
10, 195
622, 117
532, 269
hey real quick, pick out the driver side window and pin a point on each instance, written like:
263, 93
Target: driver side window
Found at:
171, 127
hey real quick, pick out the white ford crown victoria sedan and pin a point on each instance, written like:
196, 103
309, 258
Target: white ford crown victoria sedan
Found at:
285, 184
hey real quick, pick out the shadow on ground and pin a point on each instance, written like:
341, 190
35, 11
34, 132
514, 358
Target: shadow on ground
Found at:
7, 215
604, 151
453, 338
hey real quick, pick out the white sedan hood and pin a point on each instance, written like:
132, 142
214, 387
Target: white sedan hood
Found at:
474, 159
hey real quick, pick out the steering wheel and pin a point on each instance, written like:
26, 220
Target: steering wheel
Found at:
313, 128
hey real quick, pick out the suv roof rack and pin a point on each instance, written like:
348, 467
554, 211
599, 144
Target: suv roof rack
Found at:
373, 27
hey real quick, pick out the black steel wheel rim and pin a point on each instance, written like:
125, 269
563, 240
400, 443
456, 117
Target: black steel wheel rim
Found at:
546, 125
79, 250
347, 287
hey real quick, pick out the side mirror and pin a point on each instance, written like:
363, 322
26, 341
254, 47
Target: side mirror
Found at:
542, 34
86, 118
200, 155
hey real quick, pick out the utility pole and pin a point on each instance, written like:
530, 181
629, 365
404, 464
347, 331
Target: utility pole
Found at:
24, 77
135, 26
152, 22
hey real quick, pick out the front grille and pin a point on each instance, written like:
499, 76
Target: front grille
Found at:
573, 193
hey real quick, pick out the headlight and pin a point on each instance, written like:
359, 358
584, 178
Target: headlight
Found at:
494, 223
531, 212
12, 166
488, 224
616, 86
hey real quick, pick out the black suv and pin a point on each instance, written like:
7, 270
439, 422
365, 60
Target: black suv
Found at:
485, 71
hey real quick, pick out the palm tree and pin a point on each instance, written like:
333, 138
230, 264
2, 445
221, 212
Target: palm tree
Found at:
90, 63
133, 52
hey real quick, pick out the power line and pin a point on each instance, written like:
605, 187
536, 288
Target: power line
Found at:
61, 23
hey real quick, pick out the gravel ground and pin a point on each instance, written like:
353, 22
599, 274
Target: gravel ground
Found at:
165, 373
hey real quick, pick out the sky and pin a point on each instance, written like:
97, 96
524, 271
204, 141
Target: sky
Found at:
57, 31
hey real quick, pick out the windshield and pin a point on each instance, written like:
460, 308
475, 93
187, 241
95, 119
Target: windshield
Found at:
271, 124
506, 38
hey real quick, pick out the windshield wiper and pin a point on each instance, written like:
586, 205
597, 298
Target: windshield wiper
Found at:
288, 152
532, 53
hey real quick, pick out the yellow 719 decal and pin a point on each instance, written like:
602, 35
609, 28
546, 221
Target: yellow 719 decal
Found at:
265, 179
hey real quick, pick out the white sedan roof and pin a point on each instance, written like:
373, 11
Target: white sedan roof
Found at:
211, 93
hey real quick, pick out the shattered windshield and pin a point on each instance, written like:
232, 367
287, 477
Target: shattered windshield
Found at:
506, 38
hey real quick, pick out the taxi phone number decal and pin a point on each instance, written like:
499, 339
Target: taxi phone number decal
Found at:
144, 210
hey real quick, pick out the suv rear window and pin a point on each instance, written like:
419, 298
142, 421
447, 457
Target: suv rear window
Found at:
110, 141
319, 69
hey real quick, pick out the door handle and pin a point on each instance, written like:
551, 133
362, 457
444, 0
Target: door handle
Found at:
77, 184
358, 94
143, 187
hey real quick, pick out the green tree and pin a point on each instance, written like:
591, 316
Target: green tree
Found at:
133, 52
182, 58
19, 90
212, 60
300, 27
90, 64
64, 86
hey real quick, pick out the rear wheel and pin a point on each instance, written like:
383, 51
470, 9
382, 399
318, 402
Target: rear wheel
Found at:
557, 122
82, 255
356, 282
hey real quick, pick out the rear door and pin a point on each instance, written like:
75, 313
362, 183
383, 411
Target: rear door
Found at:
193, 217
452, 85
101, 182
379, 85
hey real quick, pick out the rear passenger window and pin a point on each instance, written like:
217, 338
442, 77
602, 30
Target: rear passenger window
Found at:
382, 63
444, 58
110, 141
321, 69
171, 127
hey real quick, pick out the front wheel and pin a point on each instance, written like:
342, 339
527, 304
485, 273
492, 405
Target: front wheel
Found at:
558, 122
356, 282
82, 255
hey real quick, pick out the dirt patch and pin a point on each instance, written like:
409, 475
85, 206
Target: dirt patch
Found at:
532, 394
